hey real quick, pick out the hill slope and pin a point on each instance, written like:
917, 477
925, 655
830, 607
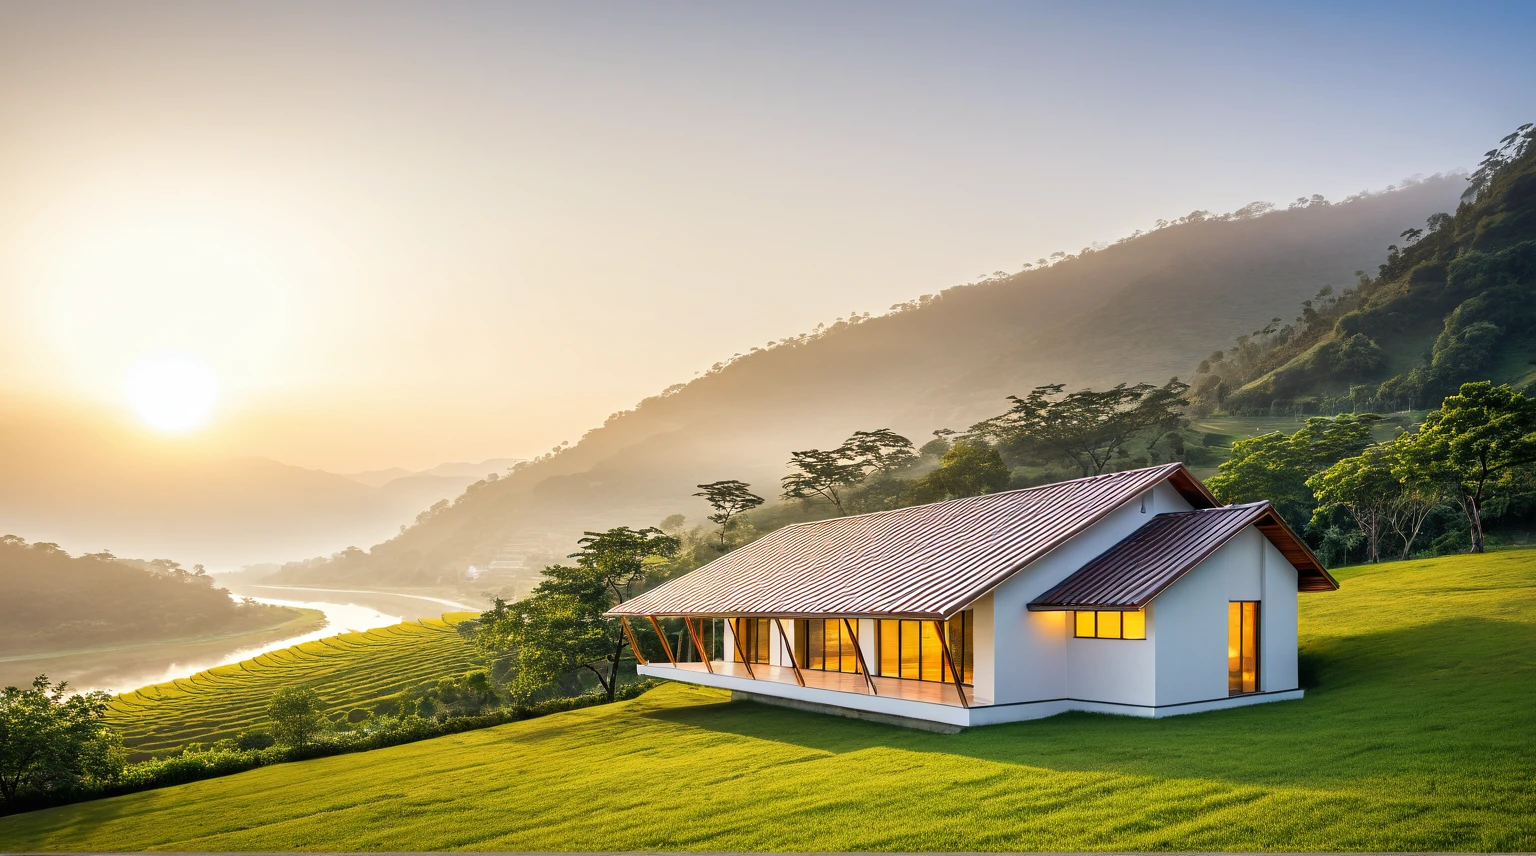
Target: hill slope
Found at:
1415, 735
351, 670
1142, 309
1456, 303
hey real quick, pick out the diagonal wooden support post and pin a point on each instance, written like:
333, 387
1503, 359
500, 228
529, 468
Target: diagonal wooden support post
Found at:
698, 644
740, 651
633, 646
789, 650
859, 653
949, 662
663, 637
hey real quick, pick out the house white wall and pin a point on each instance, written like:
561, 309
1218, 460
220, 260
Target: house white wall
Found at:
1028, 652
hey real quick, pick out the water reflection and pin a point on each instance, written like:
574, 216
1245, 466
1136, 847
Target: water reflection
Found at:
339, 618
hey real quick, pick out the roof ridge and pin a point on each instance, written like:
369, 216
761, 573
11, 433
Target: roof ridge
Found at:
1171, 467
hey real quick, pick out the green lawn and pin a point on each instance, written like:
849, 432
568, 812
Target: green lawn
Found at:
1418, 734
349, 670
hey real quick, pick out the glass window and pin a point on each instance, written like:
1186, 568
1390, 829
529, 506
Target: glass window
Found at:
1135, 626
912, 650
890, 647
1110, 624
829, 647
1242, 647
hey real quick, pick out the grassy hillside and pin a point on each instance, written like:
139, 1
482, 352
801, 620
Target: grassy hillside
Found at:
1138, 310
348, 671
1415, 735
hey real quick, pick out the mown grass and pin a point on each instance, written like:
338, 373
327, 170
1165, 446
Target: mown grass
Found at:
1417, 734
347, 671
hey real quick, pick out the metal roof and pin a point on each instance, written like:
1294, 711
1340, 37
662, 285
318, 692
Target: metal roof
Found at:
1130, 574
929, 561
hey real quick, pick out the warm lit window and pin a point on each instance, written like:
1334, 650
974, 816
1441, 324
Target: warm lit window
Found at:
1242, 647
912, 650
1106, 624
753, 636
826, 645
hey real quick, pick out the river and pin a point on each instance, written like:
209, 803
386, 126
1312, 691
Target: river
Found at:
345, 610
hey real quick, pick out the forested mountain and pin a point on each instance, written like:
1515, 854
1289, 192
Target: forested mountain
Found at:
1142, 309
57, 602
1455, 301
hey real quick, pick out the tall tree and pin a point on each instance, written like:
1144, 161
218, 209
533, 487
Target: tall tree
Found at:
879, 451
1089, 428
969, 468
729, 498
1366, 488
560, 628
1276, 466
1477, 442
52, 741
821, 474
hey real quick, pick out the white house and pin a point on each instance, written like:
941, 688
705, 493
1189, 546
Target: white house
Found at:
1133, 592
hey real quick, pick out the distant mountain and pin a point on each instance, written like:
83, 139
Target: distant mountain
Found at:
378, 478
67, 477
1141, 309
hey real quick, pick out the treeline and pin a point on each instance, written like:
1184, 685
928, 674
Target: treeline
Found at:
1452, 303
1432, 491
55, 601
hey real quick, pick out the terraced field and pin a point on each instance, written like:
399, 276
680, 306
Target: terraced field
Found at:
350, 670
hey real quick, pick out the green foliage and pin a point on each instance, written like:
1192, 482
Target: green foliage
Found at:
1445, 309
55, 601
829, 474
1276, 466
968, 468
54, 742
1478, 442
1414, 736
729, 498
297, 715
1089, 428
1383, 492
560, 629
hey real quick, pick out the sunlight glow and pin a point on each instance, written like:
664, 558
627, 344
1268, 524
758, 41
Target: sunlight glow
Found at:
172, 391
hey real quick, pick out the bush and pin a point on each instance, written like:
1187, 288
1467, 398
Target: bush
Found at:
356, 715
251, 740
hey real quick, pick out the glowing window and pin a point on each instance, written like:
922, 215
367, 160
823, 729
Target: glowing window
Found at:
1242, 647
1110, 624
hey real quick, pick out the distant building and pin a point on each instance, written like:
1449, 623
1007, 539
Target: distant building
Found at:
1133, 592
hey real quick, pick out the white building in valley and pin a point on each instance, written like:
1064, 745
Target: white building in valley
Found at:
1132, 592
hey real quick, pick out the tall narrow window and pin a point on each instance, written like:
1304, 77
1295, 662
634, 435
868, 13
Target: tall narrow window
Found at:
752, 634
1242, 647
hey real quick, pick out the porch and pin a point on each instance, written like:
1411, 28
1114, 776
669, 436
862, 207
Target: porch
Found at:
896, 689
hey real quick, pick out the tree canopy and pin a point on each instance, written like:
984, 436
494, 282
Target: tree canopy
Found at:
1089, 428
53, 741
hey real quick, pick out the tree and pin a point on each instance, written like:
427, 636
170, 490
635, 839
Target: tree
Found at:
297, 715
1276, 466
1366, 488
53, 741
1476, 443
969, 468
1089, 428
729, 498
879, 451
560, 629
821, 474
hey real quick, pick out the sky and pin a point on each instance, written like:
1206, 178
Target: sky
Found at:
400, 234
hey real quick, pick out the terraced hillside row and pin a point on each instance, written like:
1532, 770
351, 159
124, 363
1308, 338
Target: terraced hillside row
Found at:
349, 670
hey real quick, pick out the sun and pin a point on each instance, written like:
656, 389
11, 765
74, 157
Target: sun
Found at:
172, 391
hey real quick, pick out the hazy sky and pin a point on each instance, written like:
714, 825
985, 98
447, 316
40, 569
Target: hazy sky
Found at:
401, 234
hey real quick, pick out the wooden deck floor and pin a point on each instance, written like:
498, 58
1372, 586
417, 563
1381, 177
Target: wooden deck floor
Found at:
931, 692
